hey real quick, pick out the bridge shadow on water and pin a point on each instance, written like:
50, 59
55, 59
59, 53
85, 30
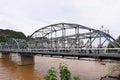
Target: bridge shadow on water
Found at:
85, 59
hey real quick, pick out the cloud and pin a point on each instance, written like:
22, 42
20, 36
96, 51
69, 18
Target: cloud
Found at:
30, 15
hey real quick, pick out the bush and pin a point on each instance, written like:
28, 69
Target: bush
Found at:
65, 74
51, 74
76, 78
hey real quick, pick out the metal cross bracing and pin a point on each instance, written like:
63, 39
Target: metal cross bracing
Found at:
67, 35
14, 44
65, 39
63, 36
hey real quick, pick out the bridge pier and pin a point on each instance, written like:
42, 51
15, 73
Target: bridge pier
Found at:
5, 55
25, 60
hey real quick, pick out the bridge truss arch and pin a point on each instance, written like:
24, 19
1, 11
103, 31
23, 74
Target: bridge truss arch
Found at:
17, 43
67, 35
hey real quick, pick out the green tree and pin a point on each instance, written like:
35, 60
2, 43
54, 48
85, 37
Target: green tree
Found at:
111, 46
118, 39
76, 78
8, 34
51, 74
64, 72
3, 39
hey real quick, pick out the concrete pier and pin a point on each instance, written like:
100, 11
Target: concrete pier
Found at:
25, 60
5, 55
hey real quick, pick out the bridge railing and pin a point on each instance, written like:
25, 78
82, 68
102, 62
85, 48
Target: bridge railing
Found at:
69, 50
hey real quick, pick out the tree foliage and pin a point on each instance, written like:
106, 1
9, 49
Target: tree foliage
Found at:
111, 46
51, 75
7, 34
65, 73
118, 39
76, 78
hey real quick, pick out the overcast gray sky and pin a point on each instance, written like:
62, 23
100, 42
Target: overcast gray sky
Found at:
30, 15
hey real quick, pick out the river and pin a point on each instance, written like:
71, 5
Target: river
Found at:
87, 69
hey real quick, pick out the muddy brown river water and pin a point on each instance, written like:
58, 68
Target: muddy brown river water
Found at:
87, 69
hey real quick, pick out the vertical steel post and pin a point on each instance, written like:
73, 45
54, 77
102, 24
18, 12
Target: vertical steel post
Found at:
100, 41
0, 46
42, 40
55, 40
63, 37
48, 41
76, 37
77, 42
51, 38
90, 46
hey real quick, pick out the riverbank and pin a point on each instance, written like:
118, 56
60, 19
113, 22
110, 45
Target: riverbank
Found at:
112, 76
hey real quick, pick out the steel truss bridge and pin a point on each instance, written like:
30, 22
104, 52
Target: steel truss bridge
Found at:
65, 39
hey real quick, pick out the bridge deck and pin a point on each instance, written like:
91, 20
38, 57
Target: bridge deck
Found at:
93, 53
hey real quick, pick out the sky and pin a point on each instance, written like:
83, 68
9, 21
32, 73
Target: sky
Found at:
29, 15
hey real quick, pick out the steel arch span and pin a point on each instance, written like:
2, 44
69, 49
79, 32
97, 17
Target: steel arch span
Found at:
67, 35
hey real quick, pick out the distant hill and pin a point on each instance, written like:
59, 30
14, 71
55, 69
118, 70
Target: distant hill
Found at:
7, 34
